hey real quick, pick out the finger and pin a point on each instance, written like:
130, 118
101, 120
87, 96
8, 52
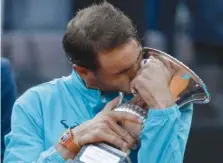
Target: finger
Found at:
122, 115
134, 91
132, 87
116, 140
148, 97
169, 65
109, 137
122, 132
152, 61
135, 100
146, 61
156, 65
147, 65
112, 104
137, 80
143, 62
133, 128
138, 100
109, 106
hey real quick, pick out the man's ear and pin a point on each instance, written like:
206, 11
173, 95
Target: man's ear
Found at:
82, 71
86, 75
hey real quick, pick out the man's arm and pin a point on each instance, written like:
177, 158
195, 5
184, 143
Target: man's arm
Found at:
25, 142
165, 134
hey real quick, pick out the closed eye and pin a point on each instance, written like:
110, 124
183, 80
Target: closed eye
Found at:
127, 69
123, 71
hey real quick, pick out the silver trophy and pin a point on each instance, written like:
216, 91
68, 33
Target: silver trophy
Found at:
186, 87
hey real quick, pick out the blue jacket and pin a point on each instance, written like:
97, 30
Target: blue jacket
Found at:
37, 116
8, 97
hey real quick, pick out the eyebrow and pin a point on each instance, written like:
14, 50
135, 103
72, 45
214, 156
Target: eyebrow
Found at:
126, 69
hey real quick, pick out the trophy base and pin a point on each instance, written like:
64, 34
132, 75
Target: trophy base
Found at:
100, 153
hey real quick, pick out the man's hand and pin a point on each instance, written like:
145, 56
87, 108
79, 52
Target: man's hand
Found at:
152, 83
104, 128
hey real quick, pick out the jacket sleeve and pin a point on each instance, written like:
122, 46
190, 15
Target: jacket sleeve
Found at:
25, 141
165, 134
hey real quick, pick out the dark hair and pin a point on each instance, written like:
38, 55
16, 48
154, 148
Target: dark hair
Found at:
94, 29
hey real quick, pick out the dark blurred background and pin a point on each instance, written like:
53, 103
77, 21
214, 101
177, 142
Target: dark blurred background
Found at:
190, 30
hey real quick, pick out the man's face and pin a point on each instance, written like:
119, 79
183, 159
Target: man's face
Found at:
118, 67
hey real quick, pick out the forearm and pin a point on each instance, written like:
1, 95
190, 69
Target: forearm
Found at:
25, 142
15, 155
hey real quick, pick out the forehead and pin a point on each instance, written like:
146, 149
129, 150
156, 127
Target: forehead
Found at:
119, 58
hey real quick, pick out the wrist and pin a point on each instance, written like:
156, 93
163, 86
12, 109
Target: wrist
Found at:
165, 100
67, 140
75, 132
165, 103
64, 152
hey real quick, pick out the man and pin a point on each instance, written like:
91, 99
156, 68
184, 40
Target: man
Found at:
102, 44
8, 97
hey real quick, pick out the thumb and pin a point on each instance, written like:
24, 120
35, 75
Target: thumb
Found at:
112, 104
109, 106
